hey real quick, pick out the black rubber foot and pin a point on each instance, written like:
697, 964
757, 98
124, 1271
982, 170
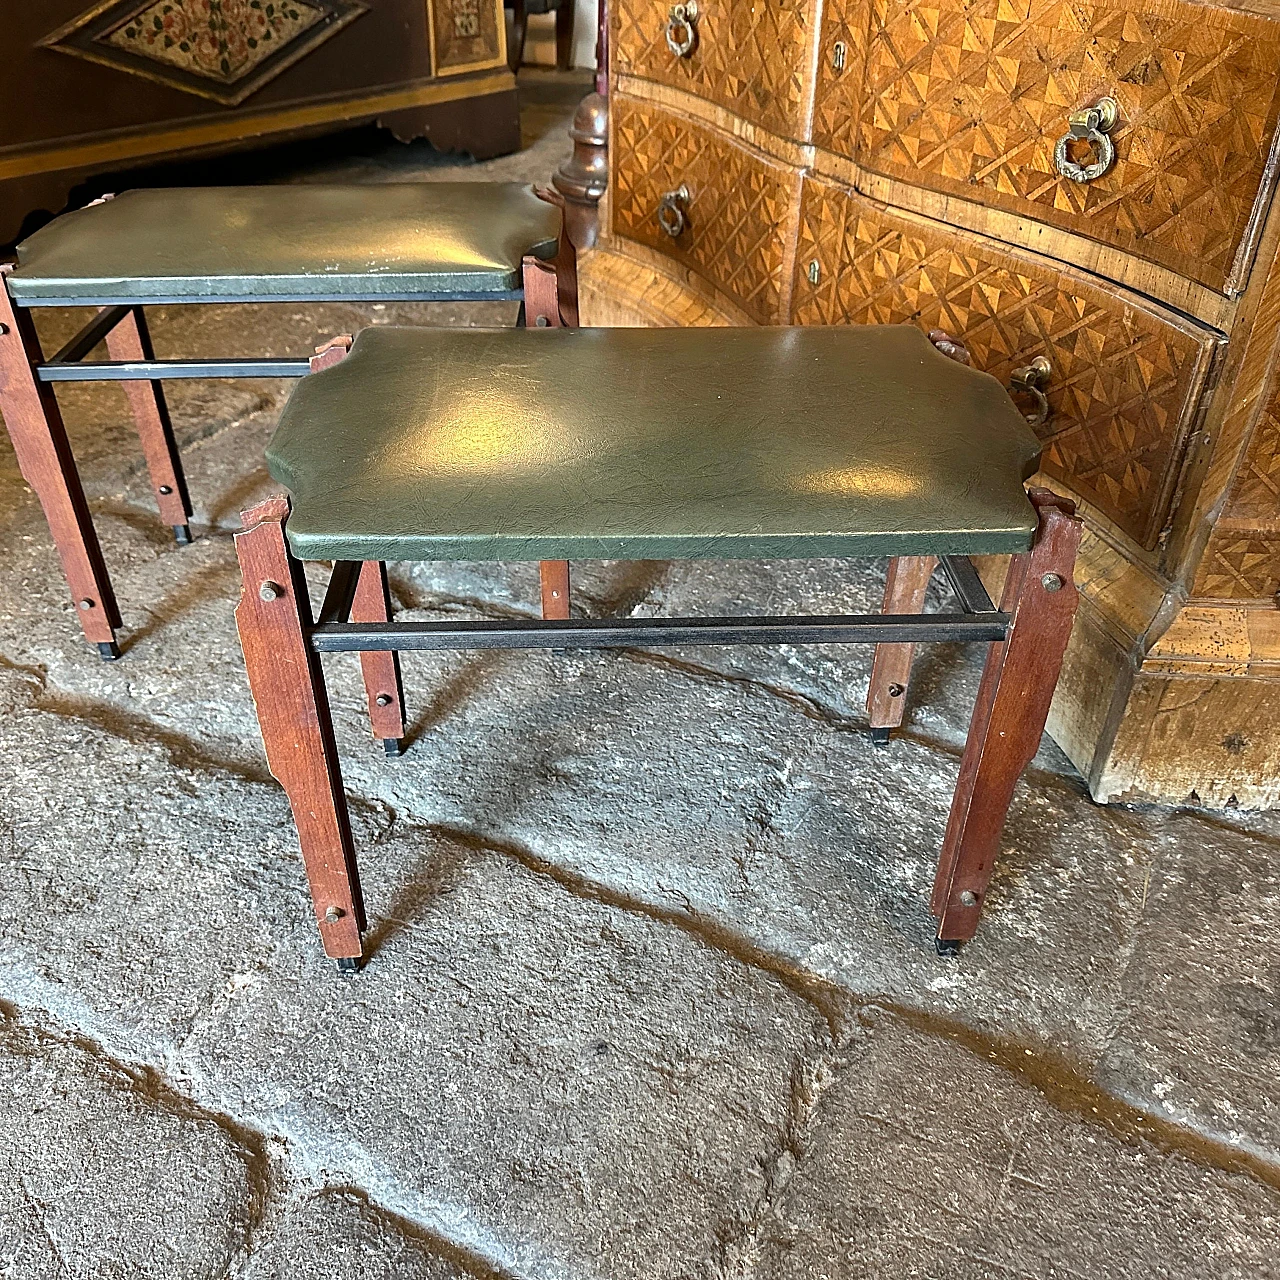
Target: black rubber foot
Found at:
108, 651
393, 747
349, 964
182, 534
880, 737
948, 946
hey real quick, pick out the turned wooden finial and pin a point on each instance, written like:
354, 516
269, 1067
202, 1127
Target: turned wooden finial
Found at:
583, 176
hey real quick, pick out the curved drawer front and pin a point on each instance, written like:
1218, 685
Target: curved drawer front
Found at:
971, 97
1125, 376
733, 219
751, 59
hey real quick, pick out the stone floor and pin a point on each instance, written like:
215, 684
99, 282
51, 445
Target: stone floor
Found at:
651, 992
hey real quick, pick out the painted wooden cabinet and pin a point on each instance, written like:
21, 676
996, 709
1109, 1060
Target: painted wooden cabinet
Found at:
93, 88
1083, 193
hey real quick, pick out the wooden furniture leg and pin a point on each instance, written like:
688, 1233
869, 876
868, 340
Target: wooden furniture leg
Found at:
44, 455
542, 311
519, 29
382, 684
1008, 718
904, 590
129, 340
564, 35
288, 689
555, 588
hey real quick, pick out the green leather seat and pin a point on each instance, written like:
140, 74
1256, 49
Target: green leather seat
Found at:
563, 444
408, 241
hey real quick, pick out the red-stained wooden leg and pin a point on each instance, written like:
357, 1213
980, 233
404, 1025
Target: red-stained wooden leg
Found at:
44, 456
541, 294
129, 340
904, 589
331, 352
542, 311
288, 688
382, 684
1017, 686
555, 588
565, 263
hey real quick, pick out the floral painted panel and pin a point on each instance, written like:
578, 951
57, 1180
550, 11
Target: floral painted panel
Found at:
221, 39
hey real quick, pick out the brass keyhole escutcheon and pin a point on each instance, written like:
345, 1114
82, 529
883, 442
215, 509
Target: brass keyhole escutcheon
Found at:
839, 52
1092, 125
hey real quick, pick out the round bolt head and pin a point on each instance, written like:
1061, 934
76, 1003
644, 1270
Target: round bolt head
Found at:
1051, 582
271, 591
166, 489
86, 605
896, 690
383, 700
4, 328
542, 322
968, 898
333, 915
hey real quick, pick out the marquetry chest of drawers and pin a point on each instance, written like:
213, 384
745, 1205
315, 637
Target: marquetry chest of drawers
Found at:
1082, 194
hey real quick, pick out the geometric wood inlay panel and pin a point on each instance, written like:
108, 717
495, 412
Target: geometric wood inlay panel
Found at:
968, 97
750, 58
1125, 379
739, 208
1242, 560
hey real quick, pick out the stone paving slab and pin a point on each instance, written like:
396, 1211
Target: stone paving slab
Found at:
106, 1176
721, 801
926, 1159
552, 1083
327, 1234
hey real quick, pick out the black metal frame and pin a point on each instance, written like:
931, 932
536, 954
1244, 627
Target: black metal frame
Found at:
980, 621
68, 364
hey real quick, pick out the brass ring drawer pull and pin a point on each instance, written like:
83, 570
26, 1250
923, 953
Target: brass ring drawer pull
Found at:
1031, 380
1092, 125
671, 216
682, 30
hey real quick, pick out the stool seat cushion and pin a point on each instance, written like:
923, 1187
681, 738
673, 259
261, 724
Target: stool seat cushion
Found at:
288, 243
562, 444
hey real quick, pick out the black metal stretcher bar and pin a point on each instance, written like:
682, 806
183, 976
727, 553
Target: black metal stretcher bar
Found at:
965, 582
169, 370
613, 633
68, 365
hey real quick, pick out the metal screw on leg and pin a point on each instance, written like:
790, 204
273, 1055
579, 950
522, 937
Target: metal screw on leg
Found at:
270, 591
4, 328
166, 489
85, 605
333, 915
896, 690
1051, 582
383, 700
968, 898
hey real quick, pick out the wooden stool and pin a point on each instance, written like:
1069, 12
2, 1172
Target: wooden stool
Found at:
655, 443
421, 242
